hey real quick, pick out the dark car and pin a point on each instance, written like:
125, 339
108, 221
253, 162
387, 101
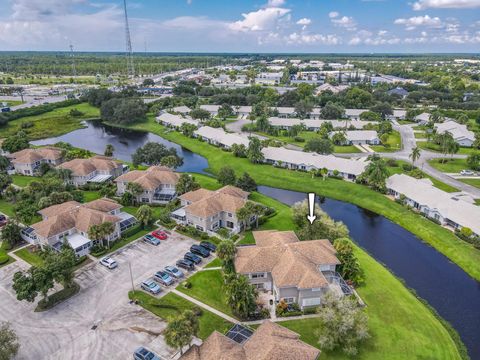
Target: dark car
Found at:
185, 264
200, 250
144, 354
3, 220
209, 246
193, 258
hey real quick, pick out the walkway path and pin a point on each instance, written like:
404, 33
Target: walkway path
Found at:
205, 306
279, 319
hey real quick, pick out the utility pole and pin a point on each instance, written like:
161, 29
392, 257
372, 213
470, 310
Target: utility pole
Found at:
129, 54
74, 70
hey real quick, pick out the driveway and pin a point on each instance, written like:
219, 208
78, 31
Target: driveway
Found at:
65, 332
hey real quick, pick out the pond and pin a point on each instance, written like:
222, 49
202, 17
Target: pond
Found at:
444, 285
95, 136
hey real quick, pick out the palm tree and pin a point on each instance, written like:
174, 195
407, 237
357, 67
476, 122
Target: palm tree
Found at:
241, 296
180, 330
109, 149
415, 155
144, 215
226, 251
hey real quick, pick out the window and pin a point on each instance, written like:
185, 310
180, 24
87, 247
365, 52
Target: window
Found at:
229, 224
289, 300
258, 275
229, 215
198, 227
258, 286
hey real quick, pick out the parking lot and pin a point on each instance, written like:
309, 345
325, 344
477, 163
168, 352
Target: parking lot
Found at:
65, 332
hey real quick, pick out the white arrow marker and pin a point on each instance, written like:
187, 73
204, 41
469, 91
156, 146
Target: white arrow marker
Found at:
311, 204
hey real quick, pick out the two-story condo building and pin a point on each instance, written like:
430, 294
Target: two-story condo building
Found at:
28, 161
158, 184
208, 210
71, 221
95, 169
294, 271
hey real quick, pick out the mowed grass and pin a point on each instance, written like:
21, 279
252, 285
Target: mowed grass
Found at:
450, 165
473, 182
458, 251
207, 287
394, 143
52, 123
172, 305
21, 180
30, 257
436, 148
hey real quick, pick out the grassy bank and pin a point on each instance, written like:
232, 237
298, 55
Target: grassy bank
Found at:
52, 123
450, 165
473, 182
463, 254
436, 148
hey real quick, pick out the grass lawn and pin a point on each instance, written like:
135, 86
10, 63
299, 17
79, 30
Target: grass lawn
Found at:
401, 327
215, 263
6, 208
124, 241
11, 103
207, 286
29, 256
171, 305
473, 182
52, 123
21, 180
436, 148
91, 195
450, 166
156, 211
7, 259
419, 135
463, 254
394, 141
347, 149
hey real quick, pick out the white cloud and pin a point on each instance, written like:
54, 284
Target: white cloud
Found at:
193, 23
346, 22
304, 38
304, 21
275, 3
446, 4
416, 21
263, 19
333, 14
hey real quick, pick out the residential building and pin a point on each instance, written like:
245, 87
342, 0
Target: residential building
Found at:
182, 109
71, 221
174, 121
354, 114
96, 169
294, 271
219, 137
270, 341
398, 114
335, 89
211, 210
158, 184
305, 161
315, 124
448, 209
398, 91
28, 161
422, 118
359, 137
269, 78
460, 132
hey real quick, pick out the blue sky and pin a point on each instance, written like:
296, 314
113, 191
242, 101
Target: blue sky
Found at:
243, 26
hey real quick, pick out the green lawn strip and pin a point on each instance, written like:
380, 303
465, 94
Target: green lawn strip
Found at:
90, 195
473, 182
401, 326
436, 148
463, 254
127, 240
450, 166
30, 257
52, 123
157, 211
207, 287
171, 305
215, 263
21, 180
5, 259
12, 102
394, 143
347, 149
6, 207
419, 135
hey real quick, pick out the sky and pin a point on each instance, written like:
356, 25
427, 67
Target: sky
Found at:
307, 26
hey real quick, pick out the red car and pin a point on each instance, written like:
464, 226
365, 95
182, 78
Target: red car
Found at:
160, 234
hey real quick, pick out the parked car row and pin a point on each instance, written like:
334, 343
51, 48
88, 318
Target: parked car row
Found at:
155, 236
195, 255
165, 277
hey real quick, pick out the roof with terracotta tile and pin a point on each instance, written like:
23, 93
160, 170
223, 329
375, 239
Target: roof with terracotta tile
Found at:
151, 178
82, 167
30, 156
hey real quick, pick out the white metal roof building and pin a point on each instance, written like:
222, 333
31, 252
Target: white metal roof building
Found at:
354, 113
446, 208
460, 133
299, 160
218, 136
174, 120
314, 125
182, 109
359, 137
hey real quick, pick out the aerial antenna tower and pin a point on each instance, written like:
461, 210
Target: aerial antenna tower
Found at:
129, 54
72, 55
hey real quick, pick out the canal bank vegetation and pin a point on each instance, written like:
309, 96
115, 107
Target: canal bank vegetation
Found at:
463, 254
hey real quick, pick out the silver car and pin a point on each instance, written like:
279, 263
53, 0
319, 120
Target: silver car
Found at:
151, 286
174, 272
108, 262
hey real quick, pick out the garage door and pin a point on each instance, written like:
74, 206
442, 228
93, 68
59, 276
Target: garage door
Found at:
310, 302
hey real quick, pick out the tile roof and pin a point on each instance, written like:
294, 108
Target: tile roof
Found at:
291, 262
63, 217
83, 167
151, 178
270, 341
29, 156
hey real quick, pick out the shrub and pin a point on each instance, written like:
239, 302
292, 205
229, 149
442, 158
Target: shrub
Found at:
197, 311
57, 297
223, 232
187, 284
26, 125
75, 112
4, 258
299, 139
407, 167
392, 163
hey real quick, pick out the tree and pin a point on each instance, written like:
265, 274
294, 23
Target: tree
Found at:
188, 129
10, 234
152, 153
342, 324
135, 189
4, 163
370, 116
226, 251
383, 109
349, 267
171, 161
415, 154
241, 295
144, 215
462, 118
123, 110
226, 176
200, 114
9, 344
148, 82
99, 232
254, 152
186, 183
16, 142
332, 111
303, 108
375, 174
239, 150
109, 149
5, 180
225, 111
181, 330
246, 183
358, 98
473, 161
60, 265
29, 284
339, 138
321, 146
250, 209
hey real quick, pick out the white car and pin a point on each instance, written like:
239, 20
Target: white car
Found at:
467, 173
108, 262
